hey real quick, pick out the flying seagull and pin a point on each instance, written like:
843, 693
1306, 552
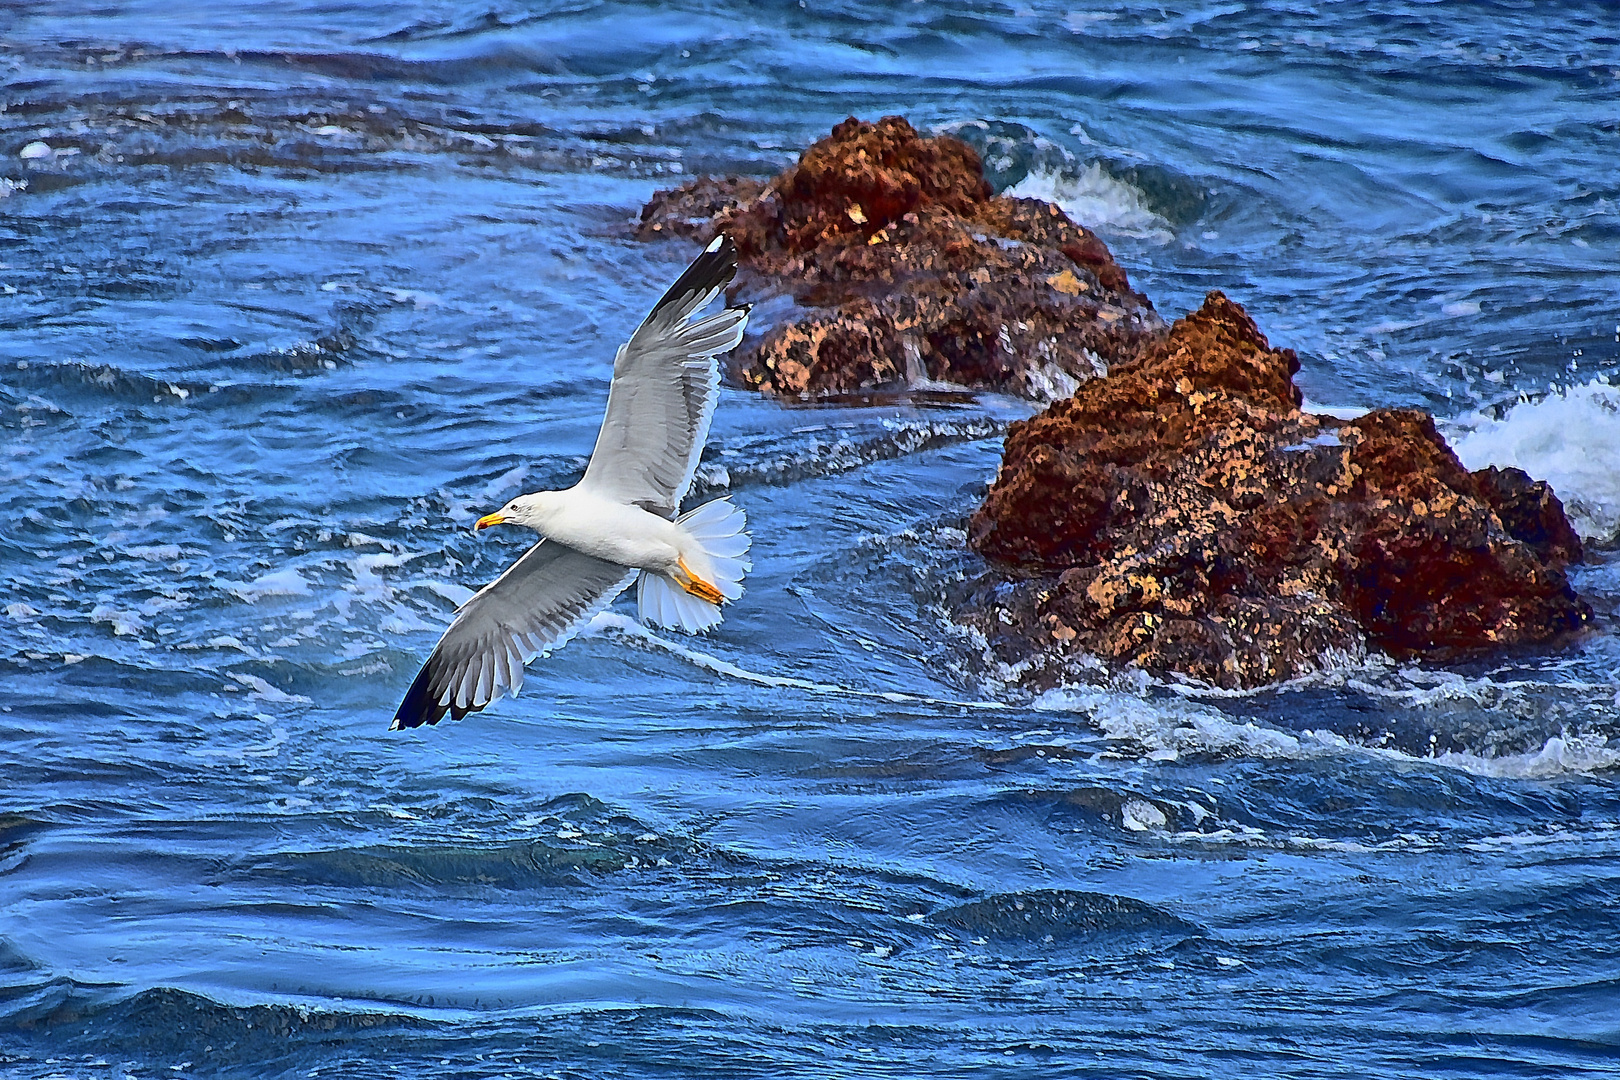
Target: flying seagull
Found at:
619, 521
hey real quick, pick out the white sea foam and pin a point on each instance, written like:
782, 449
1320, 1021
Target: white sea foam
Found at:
453, 591
286, 582
1570, 439
1560, 756
510, 480
154, 552
1166, 730
263, 689
122, 622
414, 297
1340, 412
1098, 200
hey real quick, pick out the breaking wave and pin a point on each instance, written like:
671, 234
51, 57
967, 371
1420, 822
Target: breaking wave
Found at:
1095, 198
1536, 436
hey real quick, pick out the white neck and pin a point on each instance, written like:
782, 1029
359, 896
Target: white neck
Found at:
536, 510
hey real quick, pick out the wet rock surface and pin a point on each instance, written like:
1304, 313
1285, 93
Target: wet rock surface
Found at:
907, 271
1184, 515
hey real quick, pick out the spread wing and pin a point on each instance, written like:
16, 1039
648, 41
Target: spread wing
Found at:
665, 381
538, 604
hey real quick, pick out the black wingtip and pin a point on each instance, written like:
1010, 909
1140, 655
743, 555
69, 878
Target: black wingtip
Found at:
419, 707
714, 268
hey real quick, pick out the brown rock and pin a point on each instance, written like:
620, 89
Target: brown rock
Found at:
907, 269
1184, 515
1529, 511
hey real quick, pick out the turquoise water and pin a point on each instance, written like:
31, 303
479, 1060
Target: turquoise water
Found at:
291, 294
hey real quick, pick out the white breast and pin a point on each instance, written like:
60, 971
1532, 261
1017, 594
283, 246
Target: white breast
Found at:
627, 535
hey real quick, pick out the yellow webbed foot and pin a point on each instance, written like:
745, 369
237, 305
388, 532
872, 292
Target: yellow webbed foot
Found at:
696, 585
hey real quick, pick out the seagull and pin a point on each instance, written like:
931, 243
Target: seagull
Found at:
620, 521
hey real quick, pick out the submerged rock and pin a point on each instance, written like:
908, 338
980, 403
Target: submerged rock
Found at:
1185, 515
906, 270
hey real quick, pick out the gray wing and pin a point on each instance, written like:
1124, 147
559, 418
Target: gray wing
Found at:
665, 382
538, 604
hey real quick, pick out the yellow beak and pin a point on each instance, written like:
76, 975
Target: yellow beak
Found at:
489, 519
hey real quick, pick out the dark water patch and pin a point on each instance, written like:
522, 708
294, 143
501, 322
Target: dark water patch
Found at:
88, 772
1062, 916
1014, 153
14, 964
1010, 151
51, 711
352, 321
584, 838
505, 867
211, 345
323, 354
1330, 800
308, 130
1562, 921
1113, 810
101, 380
58, 386
451, 28
186, 1033
93, 672
498, 61
15, 828
15, 832
820, 450
32, 1005
932, 764
1030, 753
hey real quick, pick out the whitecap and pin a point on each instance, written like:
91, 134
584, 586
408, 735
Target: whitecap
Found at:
507, 481
1167, 731
1172, 729
1571, 439
287, 582
123, 623
453, 591
263, 689
1096, 199
1559, 756
154, 552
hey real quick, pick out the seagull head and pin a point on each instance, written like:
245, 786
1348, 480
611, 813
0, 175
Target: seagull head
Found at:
510, 514
531, 510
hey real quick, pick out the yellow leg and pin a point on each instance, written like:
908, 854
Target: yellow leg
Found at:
696, 585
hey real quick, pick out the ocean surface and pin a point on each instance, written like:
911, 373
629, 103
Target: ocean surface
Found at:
291, 293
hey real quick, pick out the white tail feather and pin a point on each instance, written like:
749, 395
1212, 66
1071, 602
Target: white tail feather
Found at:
720, 530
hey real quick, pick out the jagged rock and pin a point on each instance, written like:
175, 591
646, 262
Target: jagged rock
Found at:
1185, 515
907, 270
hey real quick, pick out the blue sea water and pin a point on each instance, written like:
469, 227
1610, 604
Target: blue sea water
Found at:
291, 293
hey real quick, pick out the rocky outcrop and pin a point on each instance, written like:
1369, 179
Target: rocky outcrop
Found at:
1185, 515
1182, 515
906, 270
